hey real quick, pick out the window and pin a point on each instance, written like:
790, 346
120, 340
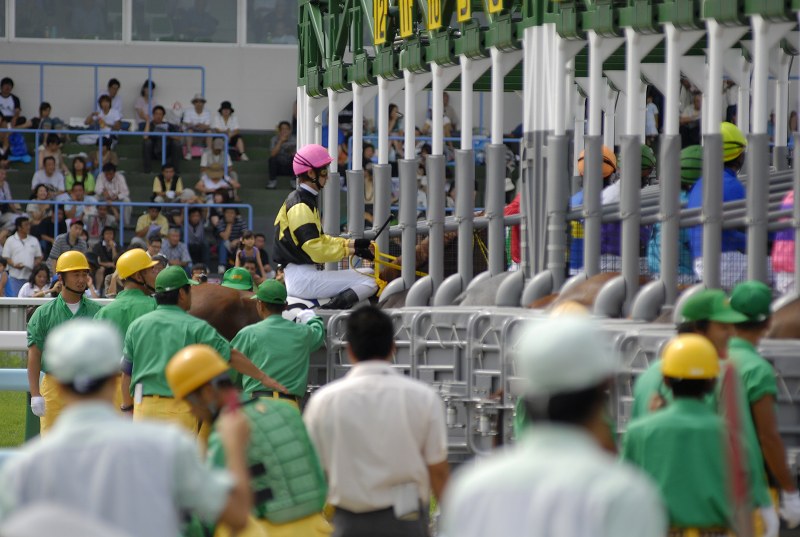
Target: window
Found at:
272, 22
68, 19
201, 21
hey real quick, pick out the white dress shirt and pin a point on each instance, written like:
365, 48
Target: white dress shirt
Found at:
376, 429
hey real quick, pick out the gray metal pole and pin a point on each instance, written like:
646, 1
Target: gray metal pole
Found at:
779, 157
465, 210
670, 180
592, 188
712, 209
435, 164
757, 205
382, 179
495, 202
630, 200
408, 218
355, 203
331, 210
557, 205
796, 212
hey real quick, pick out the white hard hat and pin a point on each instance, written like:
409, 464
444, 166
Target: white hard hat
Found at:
81, 351
564, 354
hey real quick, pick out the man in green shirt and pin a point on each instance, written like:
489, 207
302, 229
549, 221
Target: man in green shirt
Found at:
153, 338
279, 347
682, 446
287, 480
753, 299
135, 269
708, 313
72, 269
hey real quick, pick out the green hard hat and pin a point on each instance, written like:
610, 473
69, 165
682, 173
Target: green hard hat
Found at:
648, 157
752, 298
271, 292
237, 278
710, 305
691, 164
172, 278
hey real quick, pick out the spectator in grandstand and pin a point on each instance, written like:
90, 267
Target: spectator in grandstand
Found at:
198, 243
152, 145
5, 144
783, 253
200, 272
282, 149
150, 223
450, 112
10, 107
52, 148
38, 285
651, 119
215, 213
66, 242
109, 155
175, 250
50, 177
249, 253
690, 121
112, 92
77, 194
733, 263
145, 103
105, 118
168, 187
112, 186
39, 211
214, 180
258, 279
216, 154
154, 244
106, 254
227, 123
229, 231
23, 253
369, 476
8, 211
80, 175
196, 119
97, 222
261, 245
45, 120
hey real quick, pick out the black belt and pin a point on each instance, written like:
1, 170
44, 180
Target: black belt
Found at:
273, 394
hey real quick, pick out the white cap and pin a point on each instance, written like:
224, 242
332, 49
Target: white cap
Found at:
564, 354
81, 351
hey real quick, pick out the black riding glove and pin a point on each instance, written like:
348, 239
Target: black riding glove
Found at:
361, 247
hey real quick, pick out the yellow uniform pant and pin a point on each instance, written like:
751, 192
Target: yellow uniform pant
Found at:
118, 394
53, 405
310, 526
275, 395
154, 407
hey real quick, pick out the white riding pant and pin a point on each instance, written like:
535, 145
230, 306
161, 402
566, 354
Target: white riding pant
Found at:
305, 281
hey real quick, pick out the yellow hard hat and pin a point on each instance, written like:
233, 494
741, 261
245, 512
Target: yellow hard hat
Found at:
690, 357
609, 162
71, 261
132, 262
569, 307
192, 367
733, 141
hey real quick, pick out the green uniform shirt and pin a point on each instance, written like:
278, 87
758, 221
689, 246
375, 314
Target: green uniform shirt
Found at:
129, 305
682, 448
757, 374
154, 338
52, 314
651, 382
281, 349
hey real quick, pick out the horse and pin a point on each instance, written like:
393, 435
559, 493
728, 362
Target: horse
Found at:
227, 310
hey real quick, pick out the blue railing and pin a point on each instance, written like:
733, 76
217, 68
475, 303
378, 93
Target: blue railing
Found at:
101, 133
121, 204
96, 66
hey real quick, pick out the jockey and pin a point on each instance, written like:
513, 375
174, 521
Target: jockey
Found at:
300, 244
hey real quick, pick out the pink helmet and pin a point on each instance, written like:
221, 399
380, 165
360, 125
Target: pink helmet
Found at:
310, 156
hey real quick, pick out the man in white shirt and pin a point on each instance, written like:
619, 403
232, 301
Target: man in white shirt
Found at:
23, 252
381, 437
196, 119
557, 480
50, 177
113, 93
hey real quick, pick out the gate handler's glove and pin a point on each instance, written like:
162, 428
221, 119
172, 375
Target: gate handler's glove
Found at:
772, 524
37, 406
790, 508
362, 250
